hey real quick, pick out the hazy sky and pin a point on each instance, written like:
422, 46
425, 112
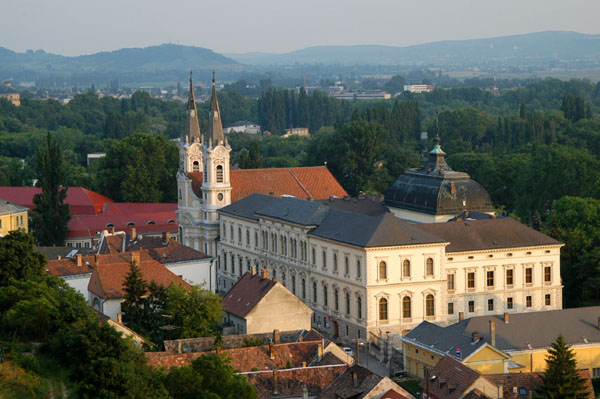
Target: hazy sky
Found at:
73, 27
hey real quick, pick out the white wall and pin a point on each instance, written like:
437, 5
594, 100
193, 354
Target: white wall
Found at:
198, 272
79, 283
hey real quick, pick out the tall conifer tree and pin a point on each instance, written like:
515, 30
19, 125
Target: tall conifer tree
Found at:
50, 213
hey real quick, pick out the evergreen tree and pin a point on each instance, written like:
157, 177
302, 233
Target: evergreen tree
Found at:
255, 161
50, 213
560, 380
133, 307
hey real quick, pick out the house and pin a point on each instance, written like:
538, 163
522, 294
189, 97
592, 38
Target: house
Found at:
522, 385
6, 91
76, 270
125, 331
106, 286
509, 343
296, 131
243, 127
358, 382
253, 303
450, 379
205, 181
12, 217
81, 200
193, 266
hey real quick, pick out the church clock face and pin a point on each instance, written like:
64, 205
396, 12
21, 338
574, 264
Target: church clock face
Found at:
220, 196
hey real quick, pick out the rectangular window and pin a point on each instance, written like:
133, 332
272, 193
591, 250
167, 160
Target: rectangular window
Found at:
509, 303
547, 299
528, 275
346, 266
471, 280
510, 277
528, 301
358, 271
451, 282
471, 306
324, 260
450, 308
335, 262
547, 274
490, 305
490, 278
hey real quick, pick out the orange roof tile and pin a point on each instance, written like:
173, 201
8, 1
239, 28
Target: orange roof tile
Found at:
246, 294
315, 182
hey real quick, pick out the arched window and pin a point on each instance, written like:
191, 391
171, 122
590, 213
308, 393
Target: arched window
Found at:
382, 270
429, 266
406, 308
406, 268
247, 237
293, 284
359, 307
314, 256
335, 262
219, 173
196, 166
347, 303
383, 309
429, 305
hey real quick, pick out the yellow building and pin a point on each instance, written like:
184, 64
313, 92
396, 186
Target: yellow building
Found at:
10, 94
12, 217
507, 343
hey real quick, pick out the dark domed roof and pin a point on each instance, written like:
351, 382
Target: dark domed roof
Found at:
436, 189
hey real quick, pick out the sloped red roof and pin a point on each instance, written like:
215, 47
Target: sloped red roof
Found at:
141, 208
81, 200
391, 394
451, 379
87, 226
315, 182
110, 271
246, 294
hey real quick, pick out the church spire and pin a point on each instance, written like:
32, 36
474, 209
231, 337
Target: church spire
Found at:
192, 127
215, 126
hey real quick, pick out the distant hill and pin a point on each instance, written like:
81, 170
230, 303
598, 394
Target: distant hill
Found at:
516, 49
163, 62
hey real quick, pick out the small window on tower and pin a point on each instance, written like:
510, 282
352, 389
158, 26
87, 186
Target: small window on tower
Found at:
219, 173
196, 166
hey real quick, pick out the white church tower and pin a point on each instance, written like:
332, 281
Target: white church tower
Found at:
216, 184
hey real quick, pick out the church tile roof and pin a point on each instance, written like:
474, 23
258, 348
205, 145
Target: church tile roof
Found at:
303, 182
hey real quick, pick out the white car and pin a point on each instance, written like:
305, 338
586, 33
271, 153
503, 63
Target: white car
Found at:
348, 351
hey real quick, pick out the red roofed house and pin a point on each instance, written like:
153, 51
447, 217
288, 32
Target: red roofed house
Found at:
205, 182
256, 304
106, 283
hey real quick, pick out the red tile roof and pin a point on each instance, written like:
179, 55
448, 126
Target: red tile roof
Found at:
109, 274
90, 226
249, 358
246, 294
450, 379
291, 382
511, 382
314, 182
391, 394
81, 200
68, 266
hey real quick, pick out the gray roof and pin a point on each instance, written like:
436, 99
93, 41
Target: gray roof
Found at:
370, 204
248, 206
8, 207
295, 210
384, 230
524, 330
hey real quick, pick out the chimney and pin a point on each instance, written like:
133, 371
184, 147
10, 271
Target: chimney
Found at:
461, 316
304, 392
303, 365
506, 319
96, 259
493, 332
120, 317
354, 377
112, 230
271, 351
253, 268
274, 279
79, 262
135, 257
452, 189
265, 273
276, 336
275, 381
466, 213
320, 350
474, 336
132, 233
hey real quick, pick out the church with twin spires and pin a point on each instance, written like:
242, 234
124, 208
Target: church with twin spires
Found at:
206, 182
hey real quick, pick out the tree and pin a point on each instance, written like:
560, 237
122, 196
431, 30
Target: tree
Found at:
50, 213
196, 311
18, 258
208, 377
134, 303
560, 380
254, 159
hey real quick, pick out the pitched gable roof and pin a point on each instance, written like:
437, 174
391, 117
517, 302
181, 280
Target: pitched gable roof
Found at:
302, 182
246, 294
512, 382
345, 387
476, 235
81, 200
450, 379
109, 274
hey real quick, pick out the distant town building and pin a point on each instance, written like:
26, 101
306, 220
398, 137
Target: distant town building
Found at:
420, 88
363, 95
6, 91
12, 217
250, 306
243, 127
94, 157
297, 131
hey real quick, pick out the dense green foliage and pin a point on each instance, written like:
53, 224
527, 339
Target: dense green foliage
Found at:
560, 379
18, 259
50, 213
